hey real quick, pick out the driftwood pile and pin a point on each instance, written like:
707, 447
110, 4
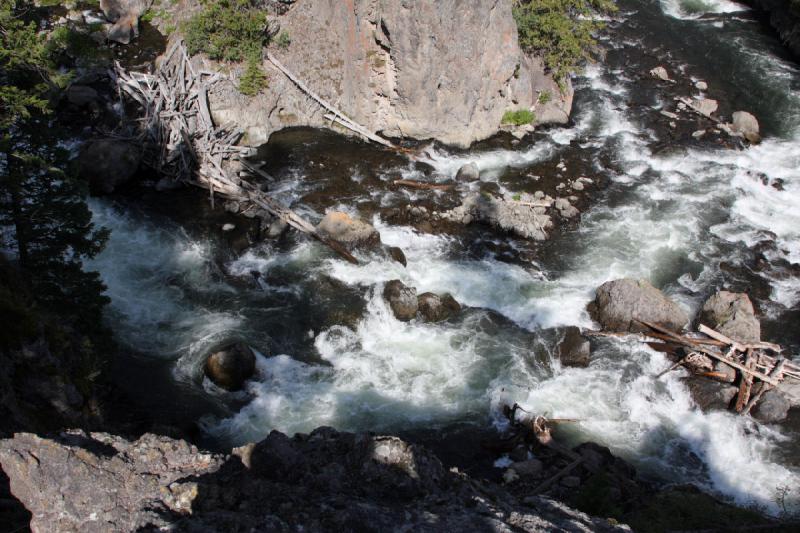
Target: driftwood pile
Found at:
183, 143
759, 365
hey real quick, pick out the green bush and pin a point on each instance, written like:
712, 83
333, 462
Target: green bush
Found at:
545, 97
560, 30
253, 79
283, 40
229, 30
518, 117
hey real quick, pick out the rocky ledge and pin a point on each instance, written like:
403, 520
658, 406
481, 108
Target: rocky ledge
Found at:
324, 481
434, 69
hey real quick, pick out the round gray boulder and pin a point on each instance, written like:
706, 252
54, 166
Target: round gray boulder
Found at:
468, 172
402, 299
618, 303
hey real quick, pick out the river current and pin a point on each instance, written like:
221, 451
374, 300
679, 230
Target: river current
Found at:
680, 212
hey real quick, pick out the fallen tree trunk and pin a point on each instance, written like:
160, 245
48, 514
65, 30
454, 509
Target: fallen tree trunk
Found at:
197, 151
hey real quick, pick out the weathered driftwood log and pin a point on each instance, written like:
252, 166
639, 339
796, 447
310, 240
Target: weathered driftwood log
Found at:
183, 143
425, 185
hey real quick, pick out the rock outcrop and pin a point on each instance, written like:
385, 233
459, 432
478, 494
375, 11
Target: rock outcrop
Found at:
324, 481
573, 349
618, 303
124, 14
432, 69
107, 164
402, 299
508, 215
435, 308
731, 314
351, 232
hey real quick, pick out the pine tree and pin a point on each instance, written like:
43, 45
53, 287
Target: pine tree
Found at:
44, 218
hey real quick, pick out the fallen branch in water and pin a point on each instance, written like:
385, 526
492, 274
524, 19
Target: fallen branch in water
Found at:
183, 143
425, 186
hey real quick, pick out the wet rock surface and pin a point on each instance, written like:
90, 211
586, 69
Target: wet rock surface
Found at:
324, 481
435, 308
573, 349
353, 233
402, 299
619, 303
231, 366
731, 314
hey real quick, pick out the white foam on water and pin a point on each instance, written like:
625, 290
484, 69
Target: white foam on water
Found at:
694, 9
149, 272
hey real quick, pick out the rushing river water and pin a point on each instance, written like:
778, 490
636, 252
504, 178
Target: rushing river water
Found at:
681, 212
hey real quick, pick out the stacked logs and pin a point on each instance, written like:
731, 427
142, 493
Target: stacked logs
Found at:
182, 142
759, 365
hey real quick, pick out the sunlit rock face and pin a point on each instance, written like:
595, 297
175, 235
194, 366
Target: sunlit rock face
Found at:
444, 70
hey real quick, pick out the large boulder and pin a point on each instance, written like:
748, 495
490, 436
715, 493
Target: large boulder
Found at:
402, 299
124, 14
503, 213
709, 394
747, 125
107, 164
435, 308
732, 314
231, 366
573, 349
351, 232
773, 407
428, 69
618, 303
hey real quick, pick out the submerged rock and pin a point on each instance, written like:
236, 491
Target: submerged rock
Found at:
402, 299
324, 481
352, 233
573, 349
231, 366
732, 314
617, 303
107, 164
435, 308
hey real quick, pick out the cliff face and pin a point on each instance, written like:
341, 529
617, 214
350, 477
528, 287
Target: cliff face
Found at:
429, 69
784, 16
325, 481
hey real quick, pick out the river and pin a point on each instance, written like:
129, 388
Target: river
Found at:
681, 212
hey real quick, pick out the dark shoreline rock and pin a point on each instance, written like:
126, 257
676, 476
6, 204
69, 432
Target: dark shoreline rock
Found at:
325, 481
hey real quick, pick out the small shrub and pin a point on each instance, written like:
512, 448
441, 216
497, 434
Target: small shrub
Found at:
283, 40
518, 117
517, 197
229, 30
560, 30
253, 79
545, 97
